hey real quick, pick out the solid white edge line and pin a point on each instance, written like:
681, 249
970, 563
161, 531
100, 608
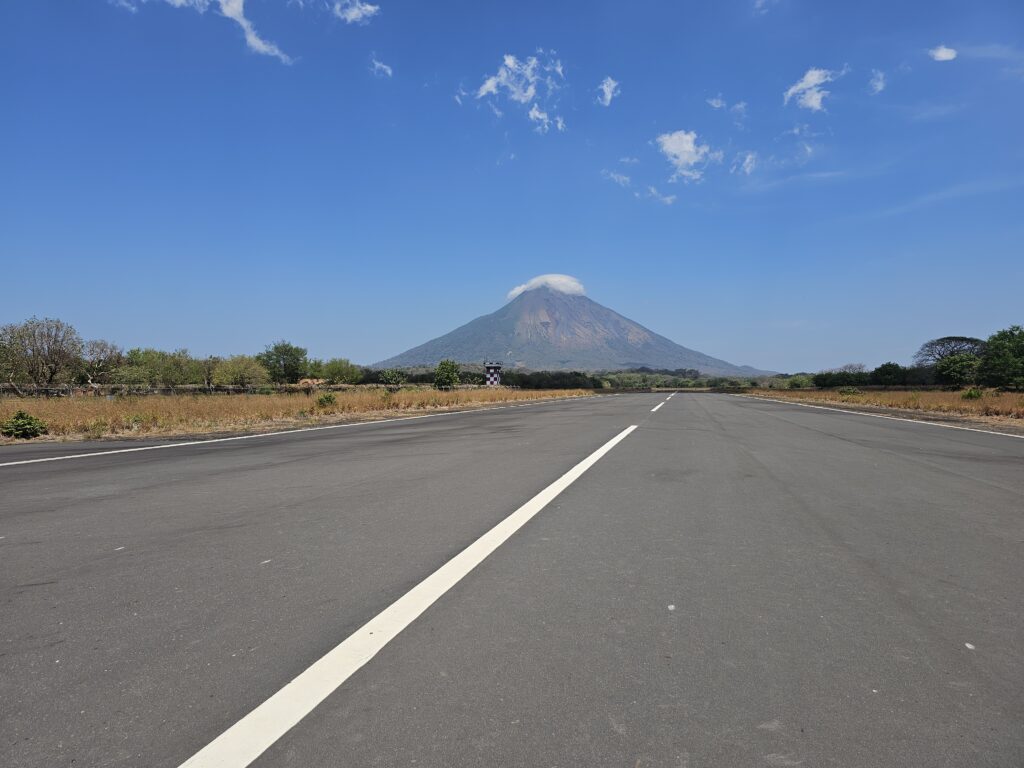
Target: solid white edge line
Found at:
247, 739
880, 416
283, 432
656, 407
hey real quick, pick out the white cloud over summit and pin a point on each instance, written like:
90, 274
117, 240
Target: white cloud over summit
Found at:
560, 283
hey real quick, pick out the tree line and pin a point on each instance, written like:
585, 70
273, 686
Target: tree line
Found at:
957, 361
48, 353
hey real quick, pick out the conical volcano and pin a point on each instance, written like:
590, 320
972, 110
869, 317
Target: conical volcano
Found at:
547, 329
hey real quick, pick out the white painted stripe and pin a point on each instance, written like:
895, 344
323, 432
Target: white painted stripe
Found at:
880, 416
281, 432
247, 739
656, 407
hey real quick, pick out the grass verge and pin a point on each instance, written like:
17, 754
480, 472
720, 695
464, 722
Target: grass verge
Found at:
79, 418
992, 407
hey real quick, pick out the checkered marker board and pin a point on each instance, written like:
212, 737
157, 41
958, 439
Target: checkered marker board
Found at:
493, 377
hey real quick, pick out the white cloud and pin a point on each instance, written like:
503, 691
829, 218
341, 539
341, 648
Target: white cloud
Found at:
654, 194
355, 11
560, 283
744, 163
761, 7
877, 82
539, 116
629, 160
531, 81
229, 9
942, 53
380, 69
739, 109
619, 178
808, 91
687, 156
517, 78
717, 102
609, 89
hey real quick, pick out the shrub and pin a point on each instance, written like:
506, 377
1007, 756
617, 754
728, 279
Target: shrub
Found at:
23, 426
972, 394
849, 391
341, 371
326, 400
889, 374
446, 375
392, 378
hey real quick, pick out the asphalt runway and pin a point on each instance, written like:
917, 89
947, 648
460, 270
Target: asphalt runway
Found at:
730, 583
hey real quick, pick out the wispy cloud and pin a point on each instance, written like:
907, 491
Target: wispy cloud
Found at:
687, 156
619, 178
745, 163
1011, 57
380, 69
607, 90
229, 9
877, 82
954, 192
716, 102
808, 91
653, 194
762, 7
942, 53
629, 160
532, 81
354, 11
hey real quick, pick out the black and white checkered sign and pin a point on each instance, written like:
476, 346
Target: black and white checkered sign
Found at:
493, 377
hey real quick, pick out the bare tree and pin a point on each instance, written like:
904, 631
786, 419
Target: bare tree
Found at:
99, 359
933, 351
44, 352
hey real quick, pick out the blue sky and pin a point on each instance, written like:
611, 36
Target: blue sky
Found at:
786, 184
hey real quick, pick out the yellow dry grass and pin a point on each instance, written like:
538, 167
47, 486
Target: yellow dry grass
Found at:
992, 403
97, 417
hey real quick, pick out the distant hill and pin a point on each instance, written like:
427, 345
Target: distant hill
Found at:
546, 329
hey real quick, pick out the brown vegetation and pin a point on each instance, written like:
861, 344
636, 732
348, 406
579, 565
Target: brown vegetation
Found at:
991, 403
91, 417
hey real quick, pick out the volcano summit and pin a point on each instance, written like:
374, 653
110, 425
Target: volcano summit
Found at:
549, 324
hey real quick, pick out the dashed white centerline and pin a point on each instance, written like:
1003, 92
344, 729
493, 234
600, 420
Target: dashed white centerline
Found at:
656, 407
251, 736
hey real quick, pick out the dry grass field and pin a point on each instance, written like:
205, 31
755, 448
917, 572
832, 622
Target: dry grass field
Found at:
992, 403
97, 417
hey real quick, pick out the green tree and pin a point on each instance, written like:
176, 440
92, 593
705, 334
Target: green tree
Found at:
45, 352
1002, 364
959, 369
446, 375
286, 362
240, 371
163, 369
338, 370
932, 351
